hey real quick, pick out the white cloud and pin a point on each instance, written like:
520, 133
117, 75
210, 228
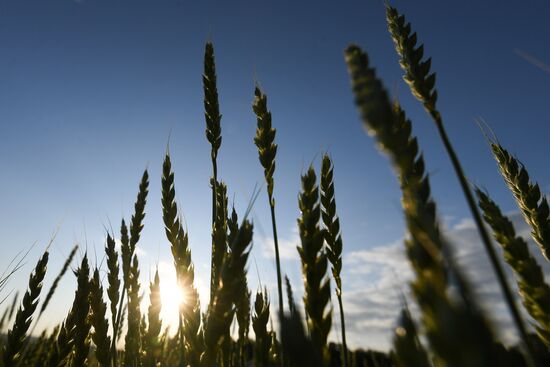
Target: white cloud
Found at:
375, 280
287, 247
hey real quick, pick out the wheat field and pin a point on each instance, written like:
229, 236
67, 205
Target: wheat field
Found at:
106, 325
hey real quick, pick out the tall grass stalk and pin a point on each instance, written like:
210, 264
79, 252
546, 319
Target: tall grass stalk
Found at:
422, 85
333, 239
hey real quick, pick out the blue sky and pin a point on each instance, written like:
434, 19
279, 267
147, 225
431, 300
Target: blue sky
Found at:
91, 91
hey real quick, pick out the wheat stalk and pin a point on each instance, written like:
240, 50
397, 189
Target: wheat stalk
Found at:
422, 85
152, 343
267, 151
56, 281
114, 286
212, 116
128, 244
17, 336
185, 272
9, 311
242, 302
314, 264
221, 311
409, 351
219, 237
260, 319
99, 322
447, 323
534, 291
78, 323
133, 335
333, 239
533, 205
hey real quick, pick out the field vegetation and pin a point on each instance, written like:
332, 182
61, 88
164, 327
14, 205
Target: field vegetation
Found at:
107, 326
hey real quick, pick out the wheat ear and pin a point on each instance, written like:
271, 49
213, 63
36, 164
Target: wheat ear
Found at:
533, 290
9, 311
314, 264
17, 336
221, 311
128, 244
132, 354
409, 351
533, 204
219, 237
422, 84
267, 151
56, 281
260, 318
114, 286
212, 116
242, 303
333, 239
447, 323
152, 344
190, 309
99, 322
79, 323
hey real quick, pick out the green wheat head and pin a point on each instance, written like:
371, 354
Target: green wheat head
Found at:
314, 264
99, 322
417, 72
534, 291
17, 336
264, 139
533, 204
211, 105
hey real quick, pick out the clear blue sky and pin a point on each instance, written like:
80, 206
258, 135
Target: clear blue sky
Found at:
91, 90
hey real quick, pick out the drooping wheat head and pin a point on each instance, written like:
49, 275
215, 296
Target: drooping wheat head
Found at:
533, 204
17, 335
534, 291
